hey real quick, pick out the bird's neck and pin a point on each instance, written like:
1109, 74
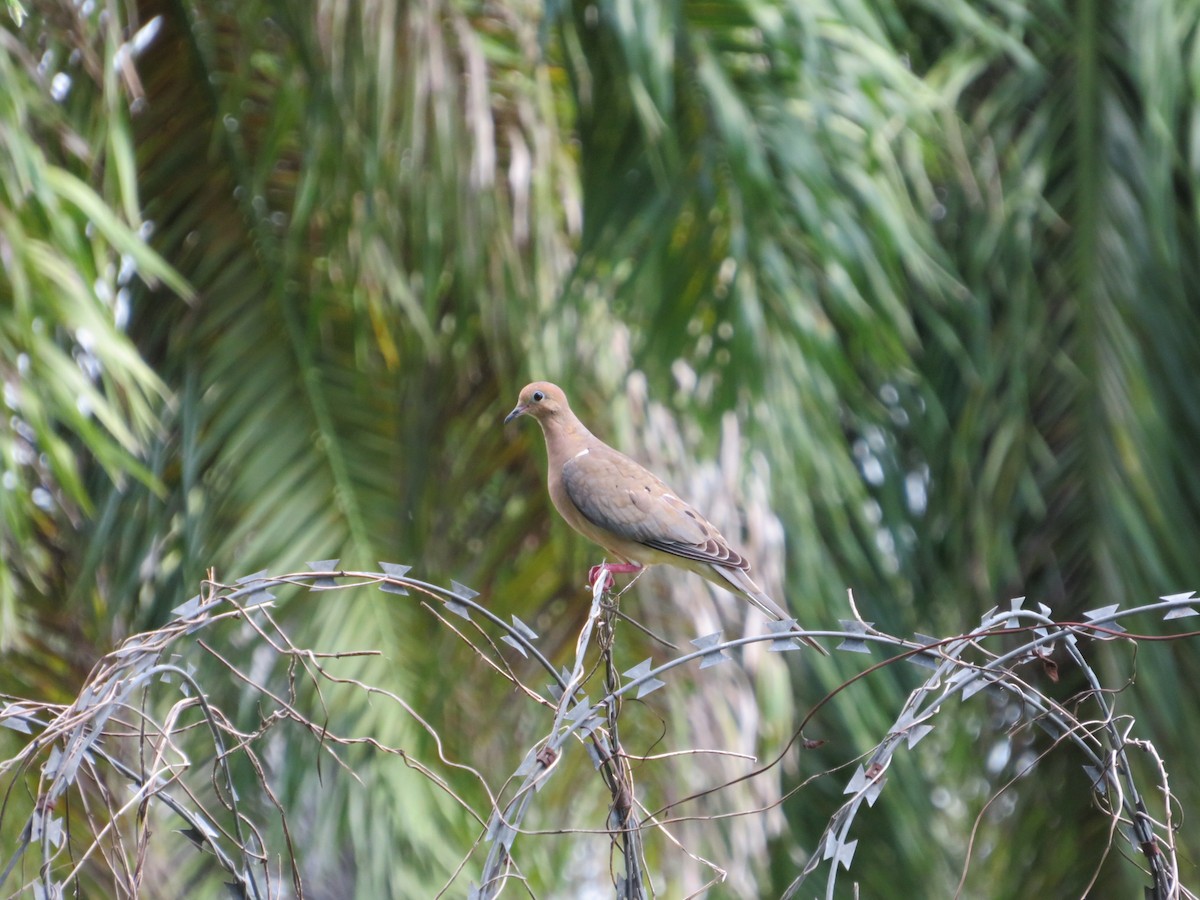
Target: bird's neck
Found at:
565, 436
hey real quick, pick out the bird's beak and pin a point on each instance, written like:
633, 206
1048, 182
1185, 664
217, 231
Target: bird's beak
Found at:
518, 411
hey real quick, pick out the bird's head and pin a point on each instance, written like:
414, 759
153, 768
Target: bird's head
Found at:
540, 400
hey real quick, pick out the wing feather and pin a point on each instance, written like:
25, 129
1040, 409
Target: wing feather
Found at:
615, 493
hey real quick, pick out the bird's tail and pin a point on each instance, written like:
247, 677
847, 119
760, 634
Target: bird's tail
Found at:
775, 611
744, 585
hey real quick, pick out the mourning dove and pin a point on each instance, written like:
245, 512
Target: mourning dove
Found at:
631, 513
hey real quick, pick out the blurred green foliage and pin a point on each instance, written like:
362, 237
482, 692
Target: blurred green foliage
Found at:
273, 273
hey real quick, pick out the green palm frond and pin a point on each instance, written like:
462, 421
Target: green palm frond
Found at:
937, 260
72, 376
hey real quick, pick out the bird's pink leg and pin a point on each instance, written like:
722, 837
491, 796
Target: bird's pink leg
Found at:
606, 570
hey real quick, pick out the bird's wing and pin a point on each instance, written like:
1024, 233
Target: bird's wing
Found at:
617, 495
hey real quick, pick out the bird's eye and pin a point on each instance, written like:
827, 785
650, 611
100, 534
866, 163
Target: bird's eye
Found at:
538, 396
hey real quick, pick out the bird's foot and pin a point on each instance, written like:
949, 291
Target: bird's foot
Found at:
597, 572
606, 570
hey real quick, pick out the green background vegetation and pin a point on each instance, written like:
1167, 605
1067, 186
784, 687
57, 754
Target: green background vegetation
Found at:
915, 285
